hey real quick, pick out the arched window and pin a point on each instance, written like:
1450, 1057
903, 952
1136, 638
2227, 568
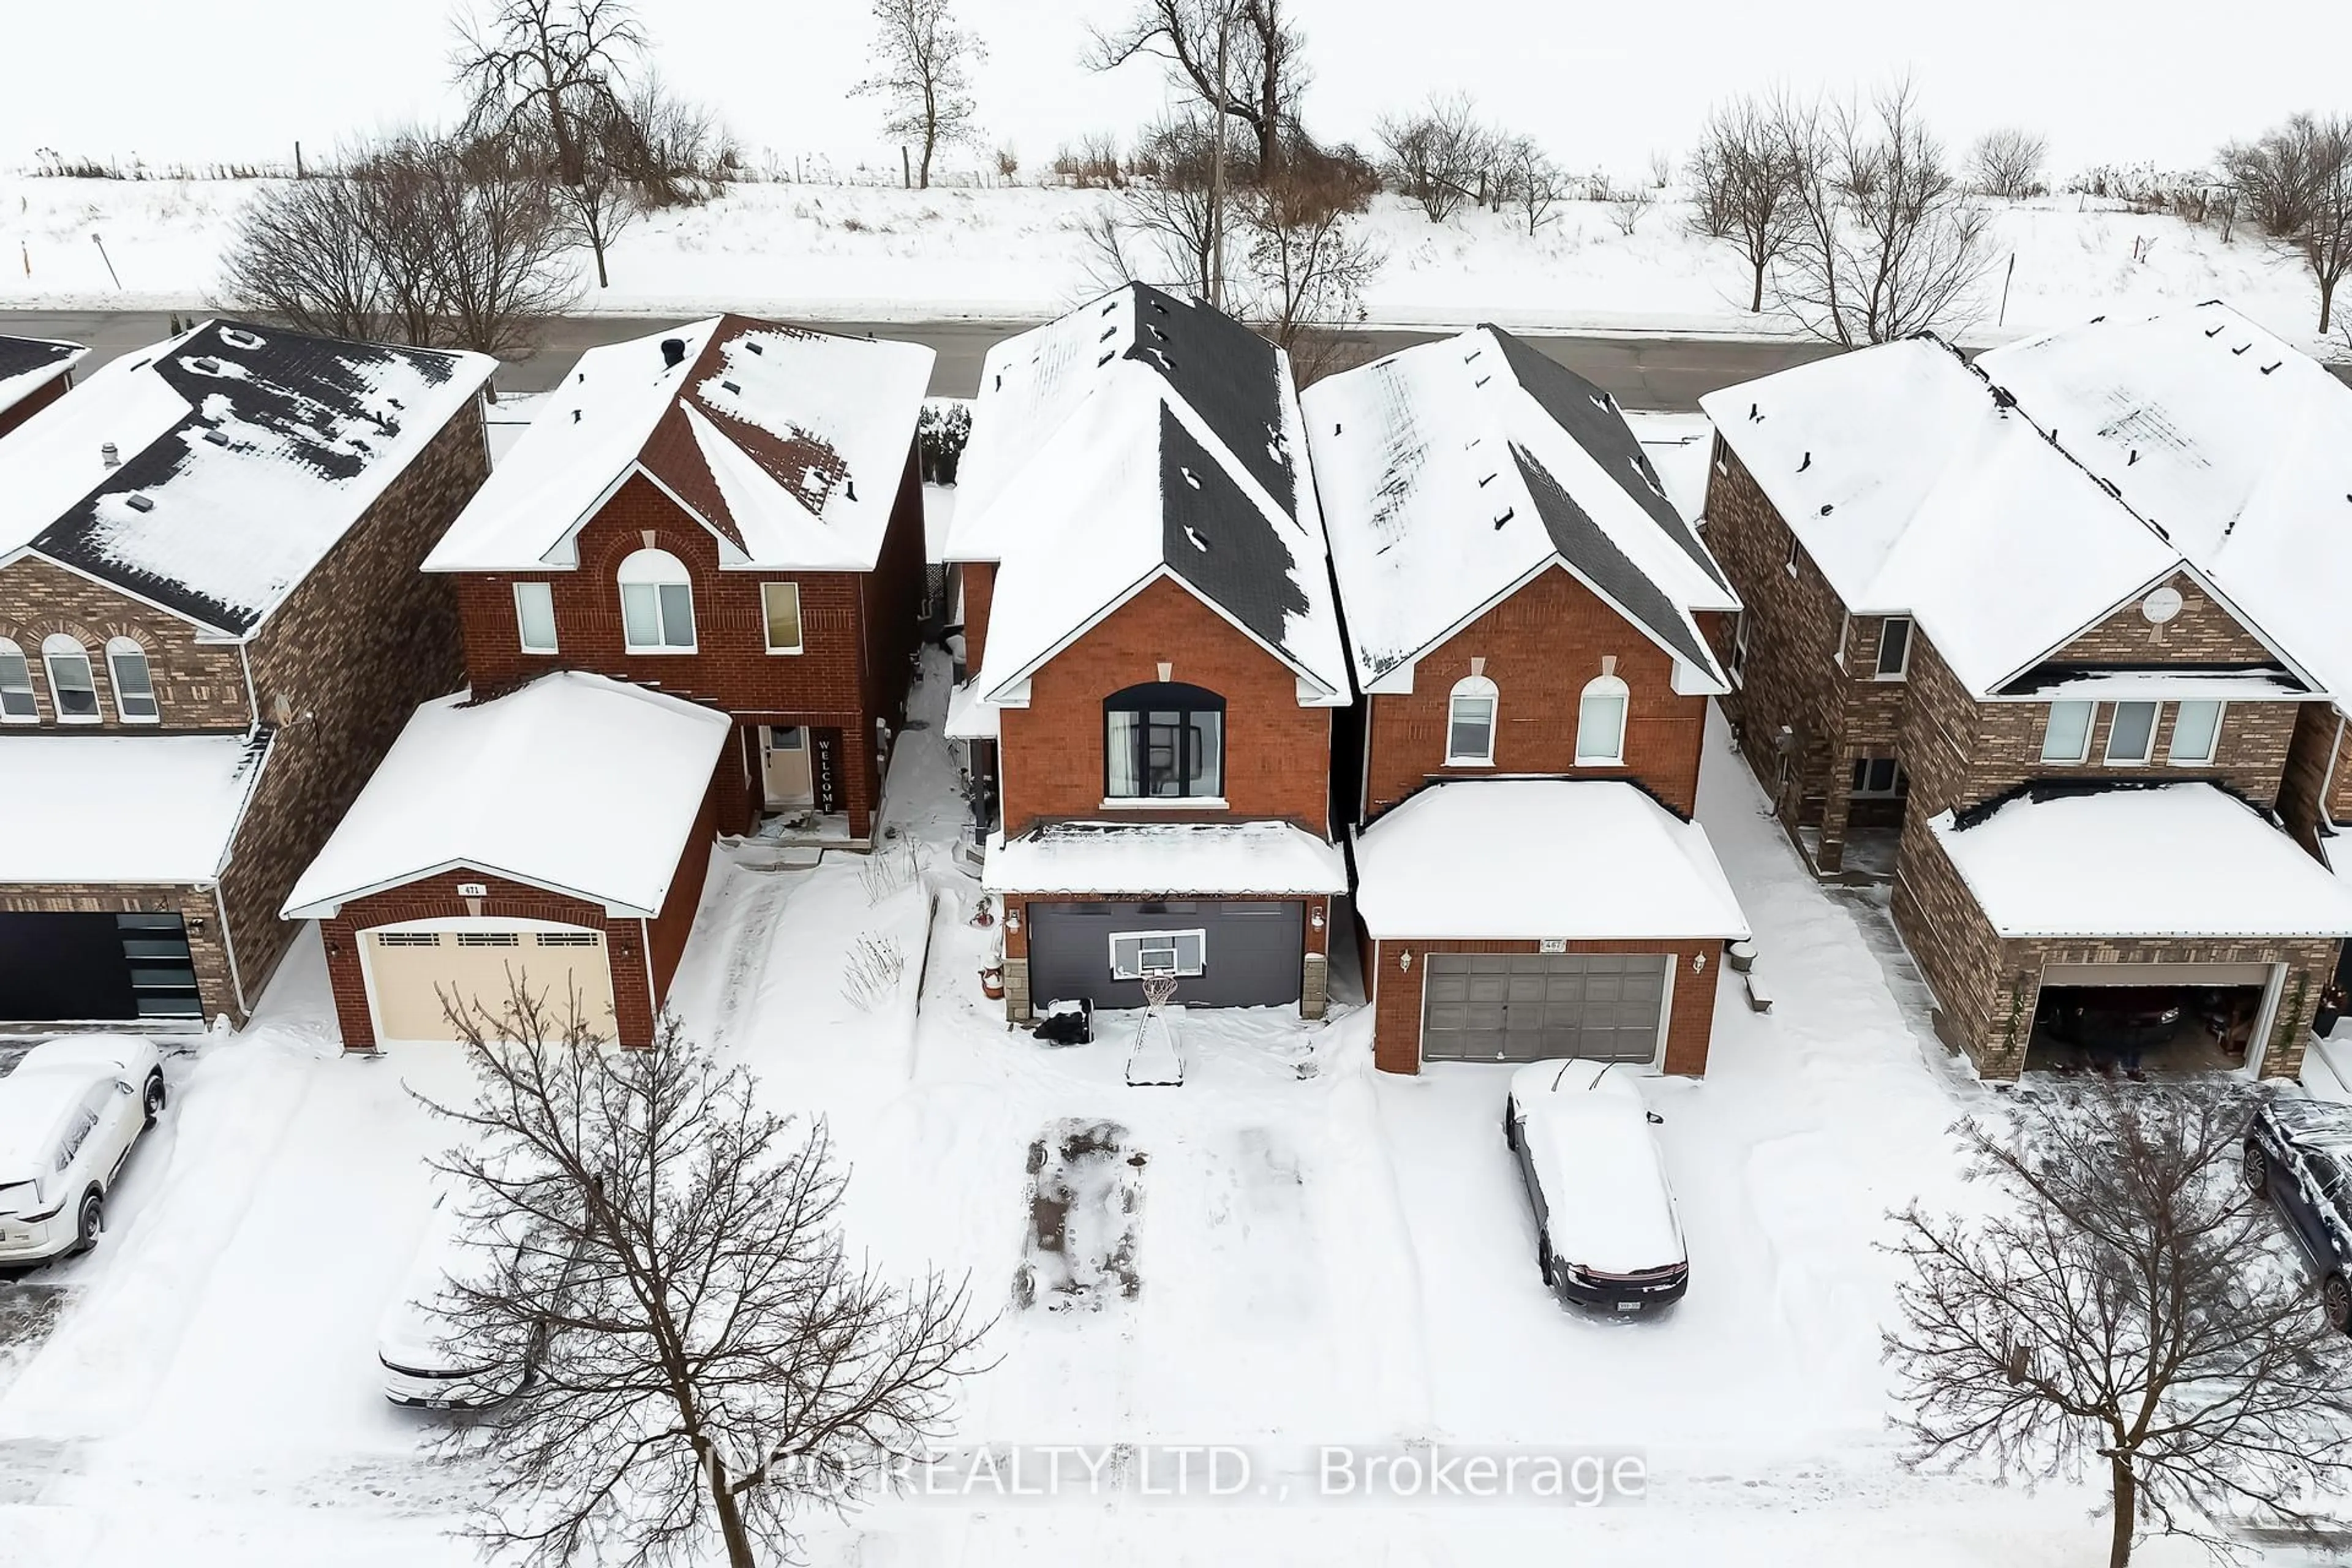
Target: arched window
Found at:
1470, 721
1163, 742
71, 686
17, 704
656, 604
134, 686
1600, 722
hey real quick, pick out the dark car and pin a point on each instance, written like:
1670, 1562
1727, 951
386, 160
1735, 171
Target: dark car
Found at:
2300, 1152
2114, 1018
1607, 1234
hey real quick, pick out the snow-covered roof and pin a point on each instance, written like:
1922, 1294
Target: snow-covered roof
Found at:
1514, 859
29, 364
1141, 437
498, 786
1452, 472
2238, 447
1182, 858
787, 444
2168, 860
122, 808
241, 454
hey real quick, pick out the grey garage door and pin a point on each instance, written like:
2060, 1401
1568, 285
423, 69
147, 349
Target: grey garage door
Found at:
1250, 951
1524, 1007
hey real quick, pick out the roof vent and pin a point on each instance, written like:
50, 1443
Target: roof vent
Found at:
756, 346
1484, 482
673, 353
2242, 348
1806, 464
204, 364
850, 488
2133, 458
216, 437
2215, 330
2271, 366
575, 417
1505, 515
110, 455
140, 503
730, 386
1828, 507
237, 338
1752, 416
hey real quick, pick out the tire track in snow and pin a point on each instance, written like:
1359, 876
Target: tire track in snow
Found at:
747, 957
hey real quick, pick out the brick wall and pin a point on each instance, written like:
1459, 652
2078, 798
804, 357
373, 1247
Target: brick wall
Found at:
32, 402
2315, 788
1277, 754
666, 933
199, 686
1540, 646
2203, 633
1397, 992
437, 897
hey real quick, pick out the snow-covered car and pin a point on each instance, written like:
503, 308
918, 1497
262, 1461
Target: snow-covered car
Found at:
1607, 1234
2299, 1153
416, 1341
69, 1114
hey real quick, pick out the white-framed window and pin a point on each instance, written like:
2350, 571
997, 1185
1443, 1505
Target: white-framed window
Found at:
1601, 721
73, 686
1877, 778
2131, 733
656, 604
1136, 955
1738, 647
18, 705
134, 683
780, 607
2196, 731
2068, 737
1470, 723
535, 617
1894, 648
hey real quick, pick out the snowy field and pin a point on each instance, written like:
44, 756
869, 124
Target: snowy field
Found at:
868, 253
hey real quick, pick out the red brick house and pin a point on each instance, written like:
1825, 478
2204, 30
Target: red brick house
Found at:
482, 856
212, 624
1154, 661
728, 511
2040, 633
1523, 609
34, 374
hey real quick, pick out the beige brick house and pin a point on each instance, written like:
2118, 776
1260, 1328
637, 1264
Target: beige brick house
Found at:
212, 624
2035, 638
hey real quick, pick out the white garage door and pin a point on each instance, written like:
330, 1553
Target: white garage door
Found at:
1522, 1007
409, 973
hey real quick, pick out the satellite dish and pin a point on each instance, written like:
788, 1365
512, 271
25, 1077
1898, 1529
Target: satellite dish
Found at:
2161, 606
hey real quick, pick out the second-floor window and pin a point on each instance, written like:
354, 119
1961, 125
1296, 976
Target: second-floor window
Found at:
73, 686
2068, 738
2196, 733
535, 617
18, 705
780, 603
1470, 723
134, 685
1894, 648
1163, 742
656, 604
2131, 735
1600, 722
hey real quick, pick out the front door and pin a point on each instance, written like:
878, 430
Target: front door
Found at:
784, 760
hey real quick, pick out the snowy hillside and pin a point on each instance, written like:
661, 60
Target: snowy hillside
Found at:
1019, 252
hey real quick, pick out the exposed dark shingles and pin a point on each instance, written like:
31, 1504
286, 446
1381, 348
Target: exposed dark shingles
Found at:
23, 356
1218, 541
308, 394
1592, 420
2043, 676
1584, 545
1227, 374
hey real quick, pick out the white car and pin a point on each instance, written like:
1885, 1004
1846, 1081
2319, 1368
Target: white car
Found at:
68, 1116
1607, 1232
415, 1340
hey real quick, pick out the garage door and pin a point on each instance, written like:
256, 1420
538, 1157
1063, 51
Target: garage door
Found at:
60, 968
1245, 955
409, 971
1524, 1007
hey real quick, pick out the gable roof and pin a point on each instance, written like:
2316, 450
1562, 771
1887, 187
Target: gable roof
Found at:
1139, 437
496, 785
787, 444
1920, 485
241, 456
1453, 471
29, 364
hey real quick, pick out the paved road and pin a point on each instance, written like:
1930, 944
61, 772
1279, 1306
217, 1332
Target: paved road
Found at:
1642, 371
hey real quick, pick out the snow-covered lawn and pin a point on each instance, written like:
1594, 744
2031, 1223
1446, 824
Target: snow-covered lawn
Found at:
1321, 1255
875, 253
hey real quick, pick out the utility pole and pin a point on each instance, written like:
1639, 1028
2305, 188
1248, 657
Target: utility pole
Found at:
1217, 162
2005, 279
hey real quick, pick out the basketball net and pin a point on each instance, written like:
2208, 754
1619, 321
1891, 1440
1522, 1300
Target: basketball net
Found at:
1157, 989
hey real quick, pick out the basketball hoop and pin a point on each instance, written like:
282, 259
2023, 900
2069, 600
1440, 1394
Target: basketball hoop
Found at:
1157, 989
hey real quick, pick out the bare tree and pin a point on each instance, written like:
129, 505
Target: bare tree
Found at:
2126, 1304
1744, 182
1628, 203
498, 269
2007, 164
924, 75
1259, 79
301, 253
1886, 242
1531, 182
1170, 223
551, 74
707, 1354
2296, 185
1305, 266
1440, 155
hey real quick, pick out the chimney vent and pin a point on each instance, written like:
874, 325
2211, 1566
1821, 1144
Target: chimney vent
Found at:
110, 455
673, 352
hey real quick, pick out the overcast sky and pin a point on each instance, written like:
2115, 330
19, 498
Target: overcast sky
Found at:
2108, 80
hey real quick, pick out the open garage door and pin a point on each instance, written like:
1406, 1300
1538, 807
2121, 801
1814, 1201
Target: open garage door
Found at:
1526, 1006
1229, 955
2150, 1017
408, 971
95, 968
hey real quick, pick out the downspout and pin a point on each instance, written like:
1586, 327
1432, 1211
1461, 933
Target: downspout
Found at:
2327, 785
653, 997
252, 698
228, 947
